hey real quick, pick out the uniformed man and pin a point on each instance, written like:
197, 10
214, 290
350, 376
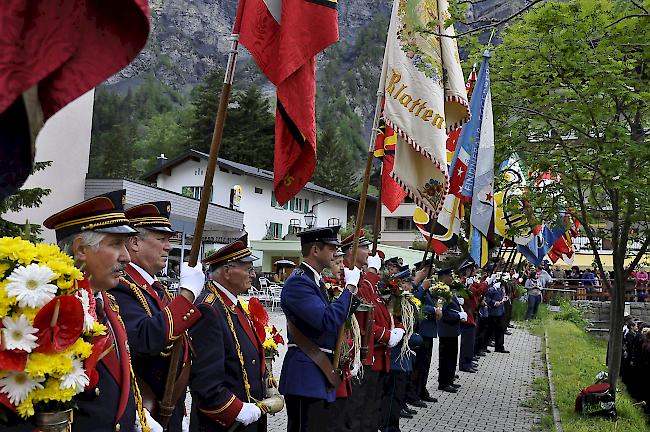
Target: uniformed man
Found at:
95, 233
428, 329
308, 379
448, 332
153, 318
468, 326
362, 411
228, 370
495, 300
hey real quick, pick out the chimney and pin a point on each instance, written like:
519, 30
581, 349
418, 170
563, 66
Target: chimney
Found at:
161, 160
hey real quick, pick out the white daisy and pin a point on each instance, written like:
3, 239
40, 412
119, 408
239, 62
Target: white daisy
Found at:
76, 379
17, 385
19, 334
85, 303
30, 285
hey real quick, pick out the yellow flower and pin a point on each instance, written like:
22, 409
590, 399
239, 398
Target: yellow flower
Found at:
269, 344
26, 407
98, 329
81, 348
416, 302
3, 268
56, 364
6, 302
46, 252
52, 391
17, 249
30, 313
244, 305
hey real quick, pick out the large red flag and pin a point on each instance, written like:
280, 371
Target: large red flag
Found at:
53, 52
283, 37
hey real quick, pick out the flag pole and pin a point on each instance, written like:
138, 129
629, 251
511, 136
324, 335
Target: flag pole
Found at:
167, 404
364, 193
377, 228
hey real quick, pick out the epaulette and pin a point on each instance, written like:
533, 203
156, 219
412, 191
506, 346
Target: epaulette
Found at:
298, 272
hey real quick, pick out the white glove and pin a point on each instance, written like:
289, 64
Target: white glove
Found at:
396, 335
248, 414
374, 262
192, 278
154, 426
352, 276
461, 301
462, 315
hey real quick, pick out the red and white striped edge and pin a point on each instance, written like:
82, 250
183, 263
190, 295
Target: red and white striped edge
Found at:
433, 213
465, 119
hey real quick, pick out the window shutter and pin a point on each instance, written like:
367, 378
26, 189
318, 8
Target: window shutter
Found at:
292, 204
274, 202
306, 208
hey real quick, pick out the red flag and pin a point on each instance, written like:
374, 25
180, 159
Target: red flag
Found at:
283, 36
62, 49
392, 194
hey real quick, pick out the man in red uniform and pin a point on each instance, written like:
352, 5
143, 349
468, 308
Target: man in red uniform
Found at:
362, 408
468, 328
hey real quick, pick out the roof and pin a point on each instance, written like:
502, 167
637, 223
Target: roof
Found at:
236, 167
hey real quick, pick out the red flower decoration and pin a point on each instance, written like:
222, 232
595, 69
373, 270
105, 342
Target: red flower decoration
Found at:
59, 324
14, 360
260, 330
277, 337
4, 400
99, 343
257, 312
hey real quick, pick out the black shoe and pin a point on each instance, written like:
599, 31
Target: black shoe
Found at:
428, 398
491, 344
454, 385
480, 354
468, 370
456, 376
475, 364
409, 410
487, 351
503, 351
418, 403
448, 389
508, 333
404, 414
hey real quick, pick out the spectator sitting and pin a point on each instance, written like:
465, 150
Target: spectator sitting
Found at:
589, 280
641, 279
574, 276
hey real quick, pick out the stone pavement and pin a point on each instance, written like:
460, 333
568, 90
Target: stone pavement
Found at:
488, 401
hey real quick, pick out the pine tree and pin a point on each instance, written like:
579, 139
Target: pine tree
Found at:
23, 198
335, 167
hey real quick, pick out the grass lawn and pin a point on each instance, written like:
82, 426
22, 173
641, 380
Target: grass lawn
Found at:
576, 357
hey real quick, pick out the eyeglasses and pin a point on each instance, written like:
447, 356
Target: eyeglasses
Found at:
250, 270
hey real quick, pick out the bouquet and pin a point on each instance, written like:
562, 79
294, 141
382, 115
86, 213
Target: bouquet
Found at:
48, 349
270, 335
388, 286
440, 291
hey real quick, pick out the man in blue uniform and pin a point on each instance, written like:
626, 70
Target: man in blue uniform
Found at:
308, 379
95, 233
448, 332
228, 370
428, 329
153, 318
495, 300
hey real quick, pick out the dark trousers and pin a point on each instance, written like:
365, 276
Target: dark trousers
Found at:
467, 342
362, 408
422, 367
335, 415
482, 335
533, 306
497, 330
305, 414
448, 353
507, 316
394, 395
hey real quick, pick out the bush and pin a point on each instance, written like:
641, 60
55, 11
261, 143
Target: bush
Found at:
571, 313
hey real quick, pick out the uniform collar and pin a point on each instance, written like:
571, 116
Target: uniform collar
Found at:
317, 276
146, 276
224, 291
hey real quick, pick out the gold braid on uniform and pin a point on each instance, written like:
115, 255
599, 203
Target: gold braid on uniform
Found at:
138, 294
260, 404
137, 397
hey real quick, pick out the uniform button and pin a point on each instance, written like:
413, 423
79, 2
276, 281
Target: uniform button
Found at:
185, 318
253, 361
191, 310
97, 391
118, 427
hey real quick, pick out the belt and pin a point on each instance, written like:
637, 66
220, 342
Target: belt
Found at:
325, 350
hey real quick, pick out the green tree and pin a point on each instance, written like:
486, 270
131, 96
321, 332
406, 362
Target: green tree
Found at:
571, 95
23, 198
335, 168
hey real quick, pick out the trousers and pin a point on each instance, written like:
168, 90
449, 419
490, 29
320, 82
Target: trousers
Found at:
448, 353
467, 342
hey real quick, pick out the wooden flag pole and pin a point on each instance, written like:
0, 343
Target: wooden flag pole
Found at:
364, 194
167, 404
377, 227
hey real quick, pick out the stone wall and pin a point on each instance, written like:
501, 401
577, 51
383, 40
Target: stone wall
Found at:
597, 313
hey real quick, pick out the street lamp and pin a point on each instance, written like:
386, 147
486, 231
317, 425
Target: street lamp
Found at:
310, 218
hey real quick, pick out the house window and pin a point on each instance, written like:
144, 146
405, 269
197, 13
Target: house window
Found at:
275, 230
258, 190
276, 204
299, 205
193, 192
400, 224
198, 171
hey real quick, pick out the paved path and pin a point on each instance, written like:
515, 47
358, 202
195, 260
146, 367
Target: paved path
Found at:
489, 401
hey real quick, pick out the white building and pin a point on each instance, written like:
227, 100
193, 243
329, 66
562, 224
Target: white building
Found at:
398, 228
264, 218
